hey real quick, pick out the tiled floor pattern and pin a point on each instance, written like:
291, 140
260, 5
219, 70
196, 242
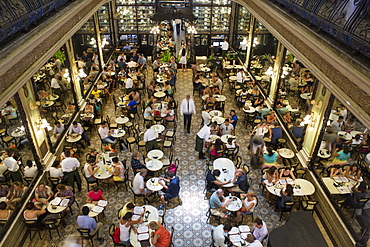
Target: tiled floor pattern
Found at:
189, 219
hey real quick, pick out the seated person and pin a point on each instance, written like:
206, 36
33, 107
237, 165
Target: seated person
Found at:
90, 169
285, 195
70, 108
217, 146
207, 91
269, 178
105, 134
218, 203
170, 191
249, 203
34, 212
131, 106
252, 241
227, 128
136, 163
216, 90
30, 170
84, 221
160, 237
359, 190
118, 172
149, 112
271, 118
125, 224
220, 237
356, 141
170, 115
4, 213
336, 171
95, 195
287, 117
286, 173
128, 207
241, 182
58, 129
65, 192
43, 194
4, 190
138, 184
15, 194
260, 231
56, 170
353, 173
89, 108
270, 157
231, 143
212, 182
341, 156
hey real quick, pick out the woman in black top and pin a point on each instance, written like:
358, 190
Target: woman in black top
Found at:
286, 173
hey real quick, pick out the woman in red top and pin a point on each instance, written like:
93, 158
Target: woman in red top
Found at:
95, 195
160, 237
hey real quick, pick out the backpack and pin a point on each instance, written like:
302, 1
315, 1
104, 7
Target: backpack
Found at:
115, 235
172, 168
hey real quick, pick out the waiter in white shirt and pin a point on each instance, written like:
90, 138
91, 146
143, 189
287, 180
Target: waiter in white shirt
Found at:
240, 76
70, 168
203, 135
129, 83
150, 138
78, 129
13, 166
224, 47
187, 109
54, 85
220, 234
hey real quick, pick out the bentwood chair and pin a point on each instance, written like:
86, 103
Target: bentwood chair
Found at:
288, 206
84, 232
112, 229
309, 205
32, 227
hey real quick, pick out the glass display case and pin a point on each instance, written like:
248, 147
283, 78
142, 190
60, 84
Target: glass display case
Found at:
208, 2
144, 14
221, 19
126, 19
260, 27
130, 39
125, 2
145, 2
204, 18
244, 19
103, 15
221, 2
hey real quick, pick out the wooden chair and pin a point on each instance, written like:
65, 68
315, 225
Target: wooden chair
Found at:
288, 206
238, 162
85, 234
143, 196
32, 227
300, 172
360, 205
112, 229
52, 224
309, 205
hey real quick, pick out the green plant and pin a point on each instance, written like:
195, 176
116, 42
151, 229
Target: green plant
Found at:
229, 56
211, 57
165, 57
60, 55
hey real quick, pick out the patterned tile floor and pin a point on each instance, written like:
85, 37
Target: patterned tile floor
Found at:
189, 219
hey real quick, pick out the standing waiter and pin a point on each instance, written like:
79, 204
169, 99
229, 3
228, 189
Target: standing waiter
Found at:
187, 109
203, 135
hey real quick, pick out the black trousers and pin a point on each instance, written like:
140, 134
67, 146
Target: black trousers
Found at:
187, 121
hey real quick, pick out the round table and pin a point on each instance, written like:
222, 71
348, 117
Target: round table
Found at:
238, 66
104, 171
205, 69
218, 97
155, 154
52, 97
154, 165
153, 185
286, 153
153, 216
118, 133
344, 135
354, 133
158, 128
235, 204
228, 67
232, 78
324, 153
258, 78
73, 138
306, 189
122, 103
251, 109
219, 120
160, 80
224, 138
17, 133
47, 104
87, 116
213, 137
306, 95
227, 169
92, 213
56, 210
159, 94
122, 120
215, 113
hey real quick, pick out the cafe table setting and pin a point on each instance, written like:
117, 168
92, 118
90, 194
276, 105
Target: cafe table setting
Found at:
142, 236
153, 184
286, 153
345, 135
57, 205
118, 133
301, 187
227, 169
225, 138
238, 235
73, 138
96, 209
105, 168
235, 204
339, 185
155, 154
122, 119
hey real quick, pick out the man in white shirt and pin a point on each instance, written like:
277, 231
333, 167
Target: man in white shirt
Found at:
240, 76
76, 128
54, 85
55, 170
220, 235
252, 241
105, 134
150, 138
58, 129
156, 65
138, 185
13, 167
217, 81
227, 128
187, 109
30, 170
260, 230
206, 117
129, 84
132, 64
336, 126
69, 166
224, 47
203, 135
343, 112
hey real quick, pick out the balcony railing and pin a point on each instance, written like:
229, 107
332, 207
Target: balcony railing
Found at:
18, 15
346, 20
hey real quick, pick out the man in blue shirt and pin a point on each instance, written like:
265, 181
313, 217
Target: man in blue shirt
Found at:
233, 118
170, 191
84, 221
217, 203
131, 105
142, 62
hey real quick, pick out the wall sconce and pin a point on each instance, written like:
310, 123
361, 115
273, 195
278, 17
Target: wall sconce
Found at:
42, 125
285, 72
103, 43
255, 42
269, 72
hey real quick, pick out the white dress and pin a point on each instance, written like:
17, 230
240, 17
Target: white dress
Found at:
182, 58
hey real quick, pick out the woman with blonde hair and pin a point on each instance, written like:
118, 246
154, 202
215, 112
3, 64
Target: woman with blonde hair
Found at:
160, 237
